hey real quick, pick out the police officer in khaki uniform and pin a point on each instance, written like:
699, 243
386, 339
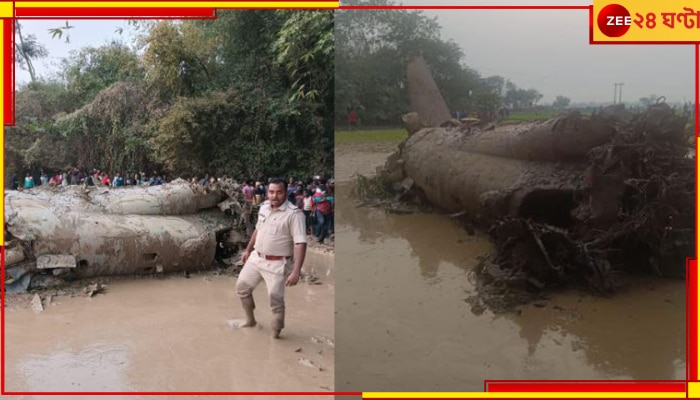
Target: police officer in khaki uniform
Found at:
275, 254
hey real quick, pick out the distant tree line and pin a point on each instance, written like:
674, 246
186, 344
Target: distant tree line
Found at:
372, 50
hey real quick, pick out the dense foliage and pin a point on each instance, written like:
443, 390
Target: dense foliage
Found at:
247, 95
372, 49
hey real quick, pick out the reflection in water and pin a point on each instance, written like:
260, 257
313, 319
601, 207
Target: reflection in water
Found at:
434, 239
400, 316
103, 363
173, 334
637, 334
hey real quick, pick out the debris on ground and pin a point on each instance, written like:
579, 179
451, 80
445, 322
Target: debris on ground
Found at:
94, 289
310, 279
36, 305
571, 201
323, 340
59, 234
306, 362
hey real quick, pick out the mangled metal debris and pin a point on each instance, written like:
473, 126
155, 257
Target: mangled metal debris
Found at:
94, 289
74, 232
57, 261
574, 199
36, 305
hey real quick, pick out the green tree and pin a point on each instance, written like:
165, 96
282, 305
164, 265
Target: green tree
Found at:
372, 49
246, 95
274, 93
561, 102
28, 49
179, 58
303, 46
518, 98
93, 69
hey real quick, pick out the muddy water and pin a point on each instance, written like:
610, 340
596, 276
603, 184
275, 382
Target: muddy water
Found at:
174, 334
403, 324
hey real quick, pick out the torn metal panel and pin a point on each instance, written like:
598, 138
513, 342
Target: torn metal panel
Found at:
129, 244
175, 198
13, 255
82, 232
424, 95
48, 261
17, 278
567, 137
459, 180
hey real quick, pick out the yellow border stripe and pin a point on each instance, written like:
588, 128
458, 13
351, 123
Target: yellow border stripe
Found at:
6, 9
184, 4
522, 395
693, 390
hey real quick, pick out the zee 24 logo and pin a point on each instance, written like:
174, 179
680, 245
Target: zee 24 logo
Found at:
614, 20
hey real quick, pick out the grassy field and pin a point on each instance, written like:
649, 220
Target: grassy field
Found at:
529, 116
521, 116
395, 135
380, 135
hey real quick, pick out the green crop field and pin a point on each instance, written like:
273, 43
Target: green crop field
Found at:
522, 116
380, 135
543, 115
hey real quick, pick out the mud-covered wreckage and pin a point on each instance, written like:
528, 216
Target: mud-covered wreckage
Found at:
62, 233
572, 199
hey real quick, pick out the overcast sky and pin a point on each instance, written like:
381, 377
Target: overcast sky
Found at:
548, 50
84, 33
543, 49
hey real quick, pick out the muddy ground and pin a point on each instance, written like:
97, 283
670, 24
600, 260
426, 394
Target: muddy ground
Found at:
402, 316
172, 333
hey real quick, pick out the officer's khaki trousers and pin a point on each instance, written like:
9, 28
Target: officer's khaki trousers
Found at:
275, 273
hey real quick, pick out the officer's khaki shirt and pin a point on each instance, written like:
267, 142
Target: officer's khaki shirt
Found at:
279, 230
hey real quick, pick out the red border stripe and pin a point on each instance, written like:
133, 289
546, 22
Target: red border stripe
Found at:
463, 7
95, 12
588, 387
2, 313
697, 103
691, 281
182, 393
8, 69
692, 320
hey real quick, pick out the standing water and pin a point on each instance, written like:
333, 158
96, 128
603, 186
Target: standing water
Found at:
173, 335
403, 324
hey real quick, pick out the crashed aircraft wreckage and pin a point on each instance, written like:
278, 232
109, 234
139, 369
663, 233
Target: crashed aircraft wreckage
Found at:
73, 232
574, 199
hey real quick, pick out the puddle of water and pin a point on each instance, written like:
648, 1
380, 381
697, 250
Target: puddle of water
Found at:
402, 323
104, 364
173, 334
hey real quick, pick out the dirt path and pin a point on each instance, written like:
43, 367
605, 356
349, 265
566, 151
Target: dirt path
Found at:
173, 334
404, 278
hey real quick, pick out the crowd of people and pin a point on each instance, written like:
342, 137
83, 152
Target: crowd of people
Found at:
75, 176
315, 196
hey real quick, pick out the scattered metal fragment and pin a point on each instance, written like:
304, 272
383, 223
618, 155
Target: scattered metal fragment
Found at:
36, 304
306, 362
94, 289
48, 261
